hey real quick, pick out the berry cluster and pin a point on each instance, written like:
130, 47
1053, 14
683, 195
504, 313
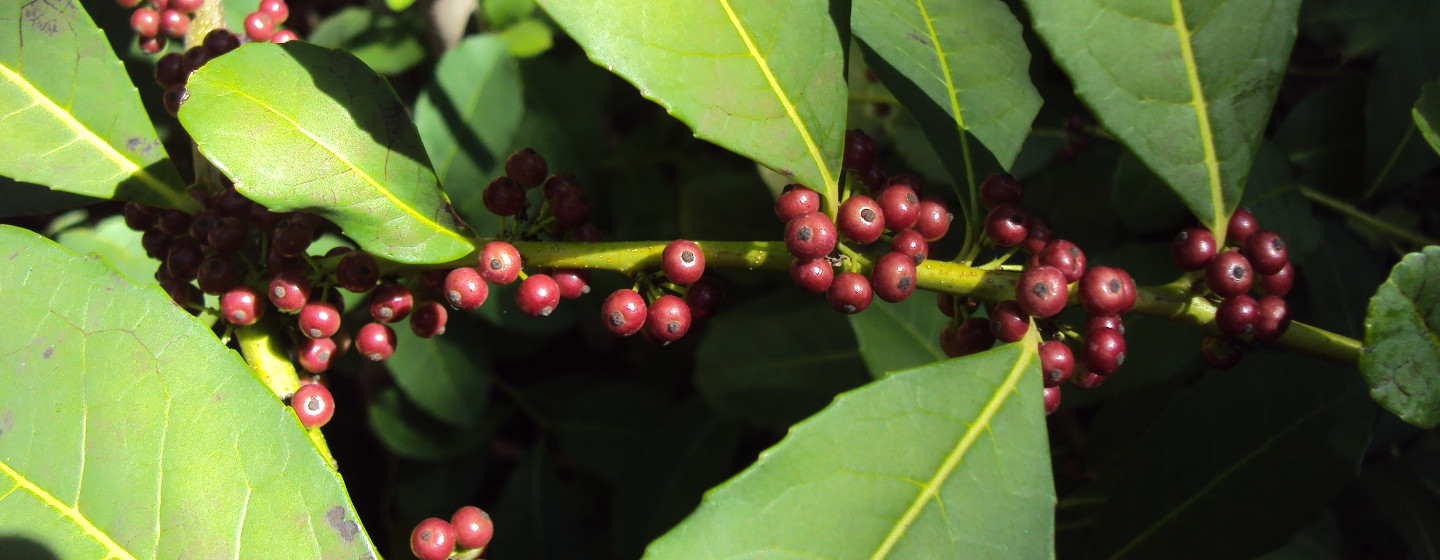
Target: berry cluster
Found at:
171, 19
263, 24
896, 214
1230, 275
465, 536
173, 69
668, 316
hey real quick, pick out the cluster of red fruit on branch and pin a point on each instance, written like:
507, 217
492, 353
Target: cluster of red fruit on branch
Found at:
163, 19
464, 536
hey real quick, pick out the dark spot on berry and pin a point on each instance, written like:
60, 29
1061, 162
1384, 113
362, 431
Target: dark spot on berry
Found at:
323, 355
1113, 285
867, 215
905, 282
386, 313
804, 234
687, 256
313, 404
617, 318
495, 264
1041, 290
1277, 243
847, 308
910, 199
949, 217
672, 327
1014, 218
1237, 273
279, 290
314, 333
1120, 359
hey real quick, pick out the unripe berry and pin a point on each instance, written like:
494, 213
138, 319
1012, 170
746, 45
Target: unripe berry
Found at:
537, 295
796, 200
1006, 224
872, 177
390, 302
1192, 249
623, 312
1237, 315
572, 207
1008, 322
557, 183
432, 539
1242, 226
319, 319
1065, 257
860, 219
668, 319
1000, 188
1104, 351
1229, 274
473, 527
289, 291
313, 404
1041, 291
1037, 236
183, 257
682, 262
499, 263
375, 341
900, 205
1266, 252
850, 293
893, 277
1056, 362
1107, 291
242, 306
910, 243
810, 236
429, 319
315, 354
812, 275
1272, 318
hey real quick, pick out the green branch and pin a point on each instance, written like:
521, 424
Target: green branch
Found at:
1350, 211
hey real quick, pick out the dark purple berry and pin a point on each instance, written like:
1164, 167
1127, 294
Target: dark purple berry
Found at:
137, 218
1056, 362
292, 237
555, 184
504, 197
1242, 226
1229, 274
572, 207
229, 234
704, 298
1041, 291
221, 41
174, 222
1221, 352
357, 272
859, 150
872, 177
1008, 322
527, 168
1272, 318
1104, 351
969, 337
1000, 188
156, 243
1266, 252
429, 319
218, 274
182, 258
1192, 249
1107, 291
1037, 236
1278, 284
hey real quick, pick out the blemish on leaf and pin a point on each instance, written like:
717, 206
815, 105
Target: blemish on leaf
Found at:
919, 39
48, 351
7, 421
347, 529
786, 172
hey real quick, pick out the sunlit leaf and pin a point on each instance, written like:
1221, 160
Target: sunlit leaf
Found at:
120, 245
528, 37
1401, 360
388, 43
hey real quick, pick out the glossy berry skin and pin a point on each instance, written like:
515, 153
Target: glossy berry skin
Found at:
1107, 291
1057, 362
860, 219
390, 302
1242, 225
934, 220
1096, 322
682, 262
1037, 236
1006, 224
1237, 315
1229, 274
1221, 352
668, 319
278, 10
704, 298
375, 341
229, 234
201, 224
572, 207
1104, 351
313, 405
1272, 318
183, 257
538, 295
504, 197
850, 293
946, 303
1001, 188
259, 27
623, 312
138, 217
968, 338
283, 36
1192, 249
1065, 257
1267, 252
796, 200
473, 527
186, 6
173, 222
1052, 400
152, 45
292, 237
872, 177
499, 263
527, 168
1278, 284
893, 277
218, 274
810, 236
319, 319
557, 183
812, 275
315, 354
572, 283
242, 306
357, 272
900, 205
1085, 379
910, 243
145, 22
859, 150
1008, 322
221, 41
289, 291
184, 294
432, 539
429, 319
169, 71
174, 24
1041, 291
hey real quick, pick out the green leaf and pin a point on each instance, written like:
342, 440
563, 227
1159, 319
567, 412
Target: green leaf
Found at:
26, 199
761, 78
1427, 114
500, 14
1401, 361
407, 430
528, 37
776, 360
543, 513
1202, 484
1403, 500
388, 43
599, 426
1188, 86
119, 244
338, 143
69, 117
899, 336
1322, 135
1141, 200
399, 5
447, 376
1394, 152
128, 431
946, 461
968, 58
725, 206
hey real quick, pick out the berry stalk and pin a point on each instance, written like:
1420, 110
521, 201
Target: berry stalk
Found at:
262, 350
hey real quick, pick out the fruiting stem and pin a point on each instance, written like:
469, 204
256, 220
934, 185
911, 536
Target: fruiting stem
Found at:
268, 361
1349, 210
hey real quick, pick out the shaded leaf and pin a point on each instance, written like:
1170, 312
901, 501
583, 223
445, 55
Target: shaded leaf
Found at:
1319, 541
1187, 86
1274, 197
407, 430
540, 514
387, 43
1322, 135
775, 360
761, 78
1339, 281
448, 376
1411, 508
599, 426
724, 206
338, 144
69, 117
900, 336
968, 58
1401, 361
26, 199
1427, 114
945, 461
119, 245
1395, 151
1202, 484
500, 14
127, 430
1142, 201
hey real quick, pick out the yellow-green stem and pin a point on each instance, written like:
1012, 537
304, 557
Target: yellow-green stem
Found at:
270, 364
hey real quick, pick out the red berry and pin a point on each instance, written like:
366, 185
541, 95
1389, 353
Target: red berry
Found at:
623, 312
668, 319
704, 298
432, 539
315, 354
283, 36
218, 274
1229, 274
900, 205
429, 319
1272, 318
682, 262
357, 272
289, 291
572, 283
1192, 249
1096, 322
859, 150
1008, 322
1107, 291
242, 306
860, 219
893, 277
259, 27
1065, 257
910, 243
526, 167
313, 405
276, 9
1041, 291
1056, 362
1237, 315
499, 263
794, 201
1221, 352
1104, 351
810, 236
1037, 236
812, 275
375, 341
1000, 188
473, 527
390, 302
850, 293
145, 22
186, 6
151, 45
504, 197
1266, 252
1278, 284
1242, 226
572, 207
174, 24
1052, 400
319, 319
1006, 224
970, 337
1085, 379
934, 219
538, 295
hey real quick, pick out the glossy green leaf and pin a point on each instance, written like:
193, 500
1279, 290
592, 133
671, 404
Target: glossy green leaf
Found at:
69, 117
968, 58
1188, 86
388, 43
1401, 361
128, 431
759, 77
120, 245
776, 360
1427, 114
528, 37
946, 461
900, 336
1203, 482
448, 376
338, 143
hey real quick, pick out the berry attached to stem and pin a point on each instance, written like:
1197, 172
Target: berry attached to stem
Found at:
432, 539
313, 404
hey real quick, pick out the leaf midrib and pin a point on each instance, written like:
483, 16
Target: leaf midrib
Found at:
73, 514
944, 68
1202, 115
